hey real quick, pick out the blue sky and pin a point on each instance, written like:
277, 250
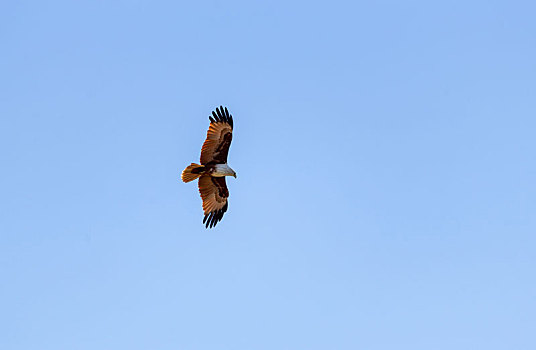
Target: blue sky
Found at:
385, 153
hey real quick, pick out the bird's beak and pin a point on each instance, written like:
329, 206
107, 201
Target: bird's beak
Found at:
234, 175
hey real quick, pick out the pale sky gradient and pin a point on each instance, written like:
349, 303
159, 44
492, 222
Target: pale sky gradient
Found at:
385, 197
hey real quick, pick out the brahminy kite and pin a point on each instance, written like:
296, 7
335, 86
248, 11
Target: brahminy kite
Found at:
213, 168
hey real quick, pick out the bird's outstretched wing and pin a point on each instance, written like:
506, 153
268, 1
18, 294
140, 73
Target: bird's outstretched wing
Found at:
214, 193
219, 137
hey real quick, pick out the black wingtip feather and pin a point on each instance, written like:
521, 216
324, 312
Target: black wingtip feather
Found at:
221, 114
224, 114
211, 219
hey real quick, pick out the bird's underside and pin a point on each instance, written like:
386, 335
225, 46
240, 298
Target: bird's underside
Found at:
213, 168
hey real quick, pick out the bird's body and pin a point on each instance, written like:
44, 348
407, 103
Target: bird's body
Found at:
213, 168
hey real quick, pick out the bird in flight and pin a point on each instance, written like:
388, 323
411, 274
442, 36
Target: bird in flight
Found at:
213, 168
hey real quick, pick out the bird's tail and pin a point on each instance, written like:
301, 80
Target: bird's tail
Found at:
192, 172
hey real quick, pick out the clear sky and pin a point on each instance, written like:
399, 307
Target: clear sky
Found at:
385, 153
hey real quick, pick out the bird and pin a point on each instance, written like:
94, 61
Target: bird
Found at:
213, 168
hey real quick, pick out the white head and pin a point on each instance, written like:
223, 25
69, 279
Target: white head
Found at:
223, 170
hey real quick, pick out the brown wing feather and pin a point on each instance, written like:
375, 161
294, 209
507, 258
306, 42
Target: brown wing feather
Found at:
214, 193
219, 136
